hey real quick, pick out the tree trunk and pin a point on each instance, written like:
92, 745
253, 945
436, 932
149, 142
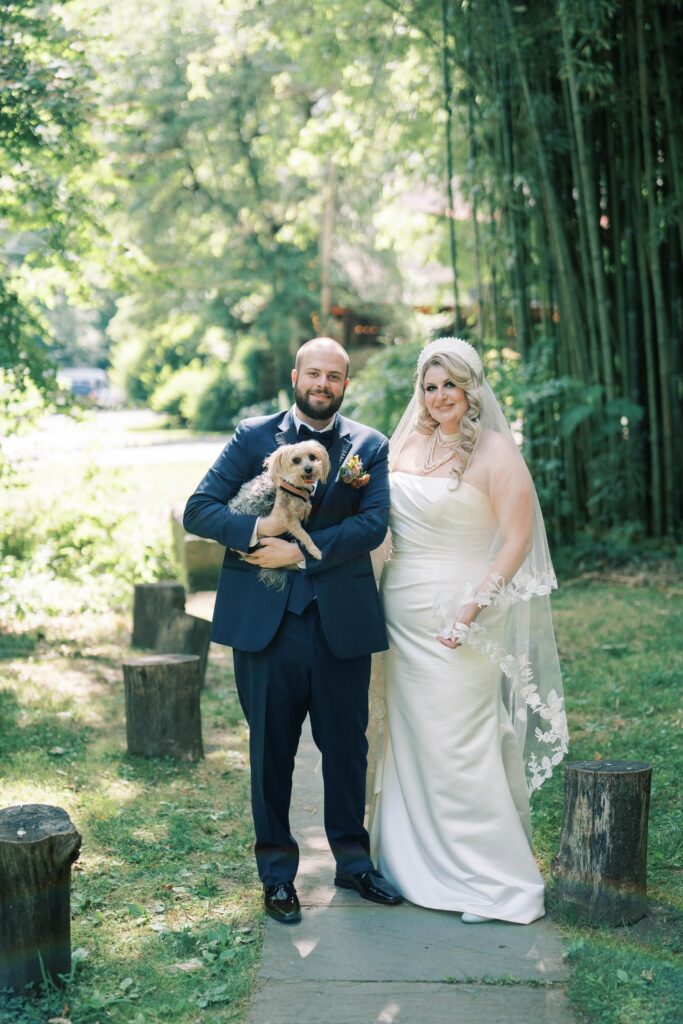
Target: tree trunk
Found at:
326, 235
38, 845
163, 717
186, 634
601, 866
653, 247
153, 604
591, 207
448, 108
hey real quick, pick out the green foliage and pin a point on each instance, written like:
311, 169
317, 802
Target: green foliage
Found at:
209, 398
74, 549
613, 985
24, 356
22, 403
379, 394
226, 133
218, 407
180, 396
43, 150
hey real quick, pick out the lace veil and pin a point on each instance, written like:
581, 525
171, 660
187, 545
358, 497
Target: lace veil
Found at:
514, 628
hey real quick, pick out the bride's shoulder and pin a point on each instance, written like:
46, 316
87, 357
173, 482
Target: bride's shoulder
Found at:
499, 458
493, 444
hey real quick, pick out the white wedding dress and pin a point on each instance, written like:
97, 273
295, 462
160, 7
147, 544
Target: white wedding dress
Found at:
450, 825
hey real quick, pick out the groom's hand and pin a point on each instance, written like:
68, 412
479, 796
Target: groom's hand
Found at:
275, 553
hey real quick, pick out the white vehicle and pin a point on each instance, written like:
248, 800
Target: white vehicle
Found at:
91, 384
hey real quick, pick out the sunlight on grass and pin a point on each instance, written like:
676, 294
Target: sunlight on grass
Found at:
623, 667
166, 874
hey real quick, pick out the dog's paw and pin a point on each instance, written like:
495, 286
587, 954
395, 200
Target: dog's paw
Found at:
316, 552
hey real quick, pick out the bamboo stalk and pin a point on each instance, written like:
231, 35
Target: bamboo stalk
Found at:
639, 248
584, 255
448, 107
662, 331
591, 208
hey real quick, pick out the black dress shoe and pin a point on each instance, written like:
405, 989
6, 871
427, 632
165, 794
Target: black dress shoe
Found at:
371, 886
282, 903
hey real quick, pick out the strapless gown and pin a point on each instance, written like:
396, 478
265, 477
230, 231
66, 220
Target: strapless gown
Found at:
451, 824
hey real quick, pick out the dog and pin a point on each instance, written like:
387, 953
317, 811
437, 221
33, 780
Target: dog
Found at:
284, 489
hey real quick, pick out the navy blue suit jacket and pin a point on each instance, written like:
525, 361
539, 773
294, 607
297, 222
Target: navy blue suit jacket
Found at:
346, 523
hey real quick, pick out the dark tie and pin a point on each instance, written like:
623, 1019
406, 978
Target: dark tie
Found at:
326, 438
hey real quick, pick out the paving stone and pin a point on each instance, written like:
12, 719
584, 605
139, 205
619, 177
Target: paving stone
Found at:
370, 943
404, 1003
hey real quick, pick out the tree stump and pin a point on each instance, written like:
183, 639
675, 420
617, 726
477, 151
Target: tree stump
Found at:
38, 845
186, 634
199, 559
601, 866
163, 717
153, 603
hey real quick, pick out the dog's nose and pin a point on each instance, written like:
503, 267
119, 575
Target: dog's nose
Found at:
308, 470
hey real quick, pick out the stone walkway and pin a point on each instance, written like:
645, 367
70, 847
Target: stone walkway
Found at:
351, 962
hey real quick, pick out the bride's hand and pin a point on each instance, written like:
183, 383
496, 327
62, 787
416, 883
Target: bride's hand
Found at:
465, 617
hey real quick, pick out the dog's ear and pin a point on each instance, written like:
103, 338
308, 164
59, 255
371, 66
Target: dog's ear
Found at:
275, 462
325, 464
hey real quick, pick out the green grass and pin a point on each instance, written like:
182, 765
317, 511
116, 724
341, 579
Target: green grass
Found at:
620, 646
166, 907
165, 898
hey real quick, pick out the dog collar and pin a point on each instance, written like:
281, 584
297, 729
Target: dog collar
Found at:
298, 492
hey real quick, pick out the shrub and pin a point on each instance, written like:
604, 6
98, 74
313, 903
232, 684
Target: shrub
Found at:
66, 552
218, 405
202, 398
180, 395
381, 391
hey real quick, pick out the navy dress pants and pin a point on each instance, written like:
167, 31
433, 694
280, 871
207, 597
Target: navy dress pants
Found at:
295, 675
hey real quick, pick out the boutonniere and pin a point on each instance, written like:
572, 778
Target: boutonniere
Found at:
354, 472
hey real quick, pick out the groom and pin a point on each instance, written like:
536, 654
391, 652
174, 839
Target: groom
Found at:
304, 650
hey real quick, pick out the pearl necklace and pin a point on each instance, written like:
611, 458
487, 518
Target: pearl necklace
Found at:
441, 440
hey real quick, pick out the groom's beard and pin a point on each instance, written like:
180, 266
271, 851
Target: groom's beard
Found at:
323, 411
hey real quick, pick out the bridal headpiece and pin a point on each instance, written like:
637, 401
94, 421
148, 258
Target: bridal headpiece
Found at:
452, 346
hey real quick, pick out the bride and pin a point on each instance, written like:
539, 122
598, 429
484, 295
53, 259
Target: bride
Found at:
474, 710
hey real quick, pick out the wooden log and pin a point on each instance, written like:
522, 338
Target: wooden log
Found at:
153, 603
163, 717
199, 559
601, 866
186, 634
38, 845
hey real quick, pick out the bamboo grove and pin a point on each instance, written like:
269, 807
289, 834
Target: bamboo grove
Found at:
573, 115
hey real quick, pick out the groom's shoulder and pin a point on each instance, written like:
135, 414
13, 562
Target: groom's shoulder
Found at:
361, 431
270, 422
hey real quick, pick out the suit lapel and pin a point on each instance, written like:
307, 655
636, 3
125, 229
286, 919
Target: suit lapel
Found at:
287, 431
338, 452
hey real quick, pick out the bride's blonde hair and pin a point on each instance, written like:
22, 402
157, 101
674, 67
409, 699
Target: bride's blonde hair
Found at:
463, 376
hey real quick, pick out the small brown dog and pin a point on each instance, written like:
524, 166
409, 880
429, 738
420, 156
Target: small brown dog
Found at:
284, 491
